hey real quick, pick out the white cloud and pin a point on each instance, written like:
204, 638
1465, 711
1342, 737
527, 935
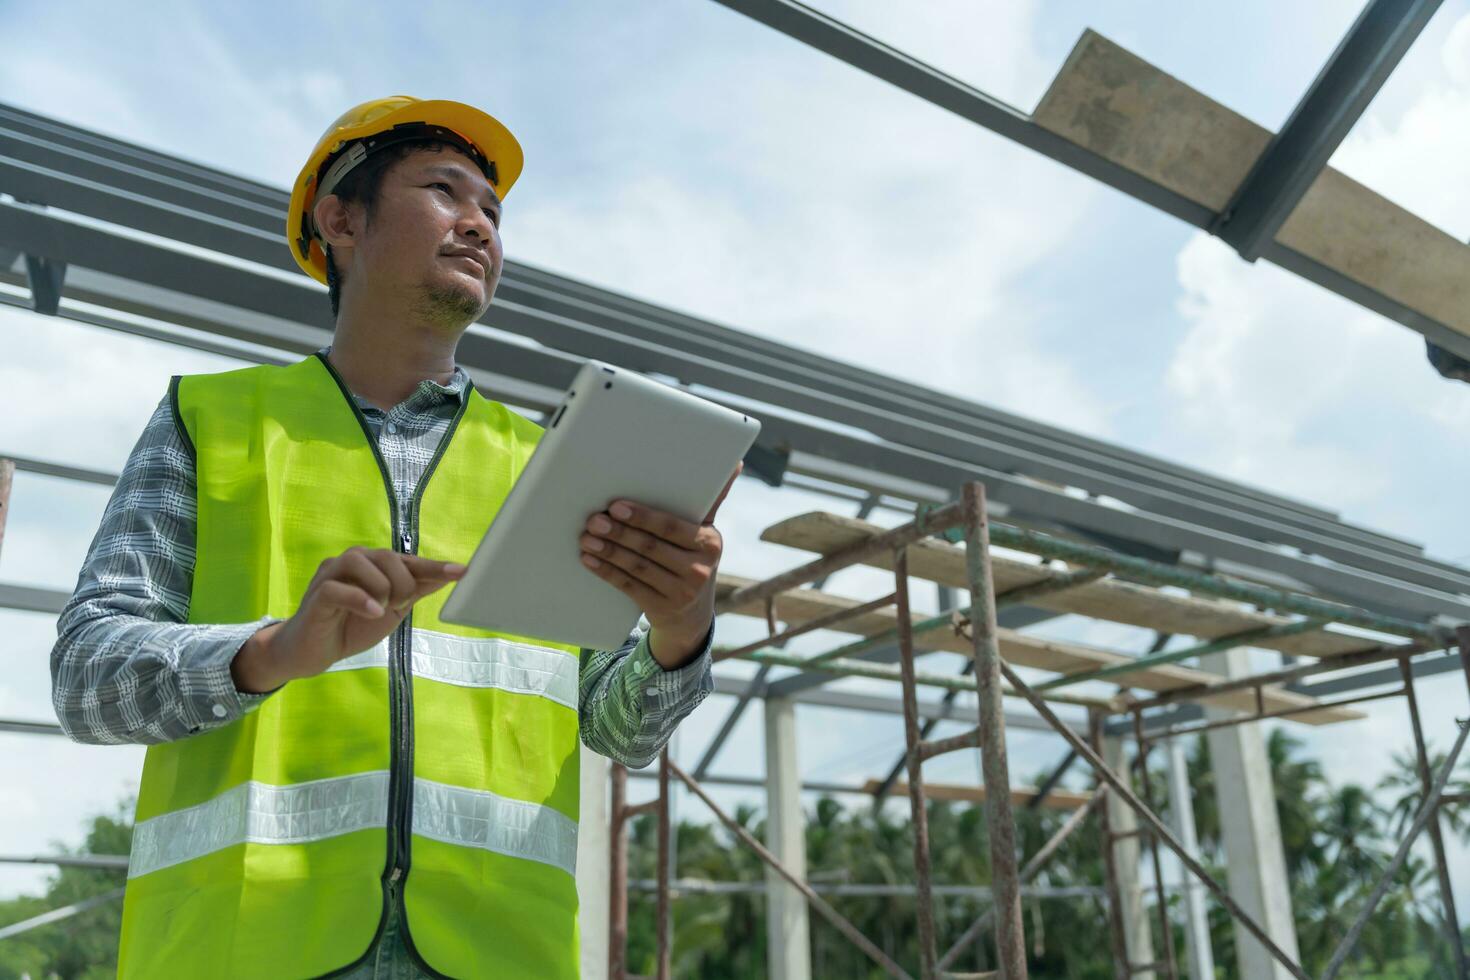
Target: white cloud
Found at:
1417, 157
1280, 383
817, 205
732, 172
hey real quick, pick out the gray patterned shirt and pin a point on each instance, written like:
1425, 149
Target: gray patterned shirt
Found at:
128, 667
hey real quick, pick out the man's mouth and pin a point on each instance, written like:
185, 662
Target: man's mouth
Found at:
474, 257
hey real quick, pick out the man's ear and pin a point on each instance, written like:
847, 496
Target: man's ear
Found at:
337, 221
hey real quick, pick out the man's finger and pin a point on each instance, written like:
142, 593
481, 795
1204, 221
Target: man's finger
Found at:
423, 568
659, 523
337, 594
400, 578
640, 567
710, 517
355, 567
622, 581
426, 586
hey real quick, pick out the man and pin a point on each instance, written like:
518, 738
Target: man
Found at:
339, 782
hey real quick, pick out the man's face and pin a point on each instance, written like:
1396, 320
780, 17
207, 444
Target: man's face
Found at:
435, 231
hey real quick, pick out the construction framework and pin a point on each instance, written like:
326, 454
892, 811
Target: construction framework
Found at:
114, 235
993, 679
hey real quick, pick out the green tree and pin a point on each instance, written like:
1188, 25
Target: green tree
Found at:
84, 946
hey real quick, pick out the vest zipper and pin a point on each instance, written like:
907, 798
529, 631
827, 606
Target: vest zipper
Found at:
400, 677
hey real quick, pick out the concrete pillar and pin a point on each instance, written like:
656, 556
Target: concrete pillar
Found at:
593, 842
1254, 859
1199, 954
788, 949
1137, 933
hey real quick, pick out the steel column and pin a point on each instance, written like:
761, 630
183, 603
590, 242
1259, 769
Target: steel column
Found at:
1428, 810
663, 963
617, 904
1436, 834
1161, 897
827, 911
913, 741
1116, 930
1010, 935
1108, 776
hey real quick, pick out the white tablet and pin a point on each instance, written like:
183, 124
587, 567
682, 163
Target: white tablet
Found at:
615, 435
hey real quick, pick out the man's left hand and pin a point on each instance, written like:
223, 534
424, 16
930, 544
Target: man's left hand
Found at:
665, 564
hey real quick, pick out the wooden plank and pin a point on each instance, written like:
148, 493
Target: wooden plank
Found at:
1117, 105
1057, 799
802, 605
1109, 598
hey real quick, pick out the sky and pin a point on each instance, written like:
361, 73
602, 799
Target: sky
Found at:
681, 153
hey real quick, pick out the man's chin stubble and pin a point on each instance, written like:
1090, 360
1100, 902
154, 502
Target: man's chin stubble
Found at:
448, 306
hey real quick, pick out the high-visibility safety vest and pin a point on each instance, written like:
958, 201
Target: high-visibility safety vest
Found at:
437, 770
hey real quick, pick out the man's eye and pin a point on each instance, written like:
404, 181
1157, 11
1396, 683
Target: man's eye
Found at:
444, 187
494, 216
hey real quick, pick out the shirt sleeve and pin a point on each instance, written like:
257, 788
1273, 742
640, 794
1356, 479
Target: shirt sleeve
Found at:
127, 666
629, 704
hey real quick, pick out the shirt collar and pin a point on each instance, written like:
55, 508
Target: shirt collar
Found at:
428, 393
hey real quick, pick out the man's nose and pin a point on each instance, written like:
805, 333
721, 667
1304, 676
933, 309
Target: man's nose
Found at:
477, 225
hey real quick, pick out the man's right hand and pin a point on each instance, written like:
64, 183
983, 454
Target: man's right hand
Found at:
353, 601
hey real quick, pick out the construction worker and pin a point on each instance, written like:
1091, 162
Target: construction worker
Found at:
338, 782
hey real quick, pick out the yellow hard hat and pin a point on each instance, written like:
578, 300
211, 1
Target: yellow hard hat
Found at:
379, 123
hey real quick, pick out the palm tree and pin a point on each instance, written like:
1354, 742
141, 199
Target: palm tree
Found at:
1403, 780
1298, 782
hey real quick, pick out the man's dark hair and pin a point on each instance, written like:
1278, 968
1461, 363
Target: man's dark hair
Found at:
361, 186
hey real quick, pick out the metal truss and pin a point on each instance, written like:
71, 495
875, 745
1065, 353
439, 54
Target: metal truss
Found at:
993, 680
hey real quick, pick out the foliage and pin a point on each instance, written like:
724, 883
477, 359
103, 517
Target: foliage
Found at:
1336, 839
84, 946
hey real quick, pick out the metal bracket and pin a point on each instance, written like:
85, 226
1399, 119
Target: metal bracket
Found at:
45, 277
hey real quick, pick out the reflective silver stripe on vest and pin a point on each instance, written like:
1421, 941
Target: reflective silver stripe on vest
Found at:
262, 814
374, 656
495, 662
463, 661
479, 818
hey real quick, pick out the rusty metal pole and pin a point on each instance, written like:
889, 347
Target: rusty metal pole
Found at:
665, 923
1010, 931
817, 902
1033, 867
1147, 816
923, 897
7, 474
1110, 865
1171, 967
1427, 809
1436, 834
617, 876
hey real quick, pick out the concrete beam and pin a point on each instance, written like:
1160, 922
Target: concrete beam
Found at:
1127, 856
788, 942
594, 840
1199, 954
889, 705
1113, 103
1254, 859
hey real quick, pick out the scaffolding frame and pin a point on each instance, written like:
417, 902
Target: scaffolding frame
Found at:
85, 271
993, 678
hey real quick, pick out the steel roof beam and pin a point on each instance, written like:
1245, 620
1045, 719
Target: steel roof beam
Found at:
1364, 59
847, 44
258, 240
299, 300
